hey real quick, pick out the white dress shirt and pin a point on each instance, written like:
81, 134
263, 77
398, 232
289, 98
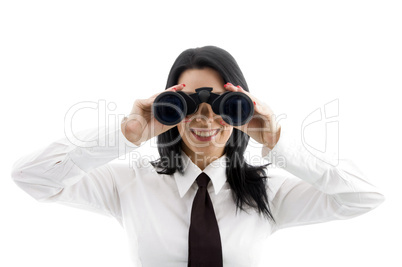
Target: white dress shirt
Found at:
155, 209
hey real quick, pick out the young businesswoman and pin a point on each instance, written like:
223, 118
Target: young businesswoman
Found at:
200, 203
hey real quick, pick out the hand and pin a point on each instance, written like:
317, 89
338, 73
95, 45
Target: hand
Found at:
140, 126
263, 127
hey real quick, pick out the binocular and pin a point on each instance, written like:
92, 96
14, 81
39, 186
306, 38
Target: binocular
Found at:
235, 108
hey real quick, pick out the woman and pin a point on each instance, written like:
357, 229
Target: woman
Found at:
156, 201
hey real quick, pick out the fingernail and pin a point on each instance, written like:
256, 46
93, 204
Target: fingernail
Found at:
222, 123
184, 85
225, 85
174, 88
254, 103
238, 86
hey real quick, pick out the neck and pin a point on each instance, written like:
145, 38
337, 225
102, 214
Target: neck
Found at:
201, 159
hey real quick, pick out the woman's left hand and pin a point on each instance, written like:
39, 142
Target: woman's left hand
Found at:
263, 127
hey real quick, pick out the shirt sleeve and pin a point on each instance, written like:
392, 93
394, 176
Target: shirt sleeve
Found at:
76, 171
306, 188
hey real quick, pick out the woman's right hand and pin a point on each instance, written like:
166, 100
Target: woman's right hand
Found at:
137, 126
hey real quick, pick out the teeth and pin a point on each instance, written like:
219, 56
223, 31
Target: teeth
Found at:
205, 134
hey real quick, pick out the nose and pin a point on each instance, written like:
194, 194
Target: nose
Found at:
204, 113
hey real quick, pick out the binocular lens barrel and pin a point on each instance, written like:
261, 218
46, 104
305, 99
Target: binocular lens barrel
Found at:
170, 109
235, 108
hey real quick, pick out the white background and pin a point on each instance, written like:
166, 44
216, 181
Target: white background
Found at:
297, 56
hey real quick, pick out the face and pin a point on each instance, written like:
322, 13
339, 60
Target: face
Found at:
196, 128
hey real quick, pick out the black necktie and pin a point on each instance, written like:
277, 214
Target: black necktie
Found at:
205, 249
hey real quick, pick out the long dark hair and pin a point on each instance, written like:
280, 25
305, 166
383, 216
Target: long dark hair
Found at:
248, 183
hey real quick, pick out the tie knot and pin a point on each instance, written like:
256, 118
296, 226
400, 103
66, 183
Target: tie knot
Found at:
203, 180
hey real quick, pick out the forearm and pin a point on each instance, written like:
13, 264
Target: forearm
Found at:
47, 171
339, 179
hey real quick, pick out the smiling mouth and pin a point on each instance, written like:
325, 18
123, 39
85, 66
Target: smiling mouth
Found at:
205, 133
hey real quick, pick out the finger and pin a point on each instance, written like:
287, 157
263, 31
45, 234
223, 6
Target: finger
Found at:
174, 88
177, 87
231, 87
238, 88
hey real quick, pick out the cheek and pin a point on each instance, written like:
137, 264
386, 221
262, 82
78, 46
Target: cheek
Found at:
225, 135
182, 129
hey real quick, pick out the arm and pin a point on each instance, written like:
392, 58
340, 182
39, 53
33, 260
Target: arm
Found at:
81, 174
75, 174
306, 189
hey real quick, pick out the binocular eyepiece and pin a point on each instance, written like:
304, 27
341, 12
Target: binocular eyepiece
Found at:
235, 108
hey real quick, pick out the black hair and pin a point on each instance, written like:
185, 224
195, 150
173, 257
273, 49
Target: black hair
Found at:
248, 182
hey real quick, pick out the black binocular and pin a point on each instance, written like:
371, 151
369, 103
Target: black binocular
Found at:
235, 108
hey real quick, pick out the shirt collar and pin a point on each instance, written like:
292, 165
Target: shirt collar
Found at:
216, 170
